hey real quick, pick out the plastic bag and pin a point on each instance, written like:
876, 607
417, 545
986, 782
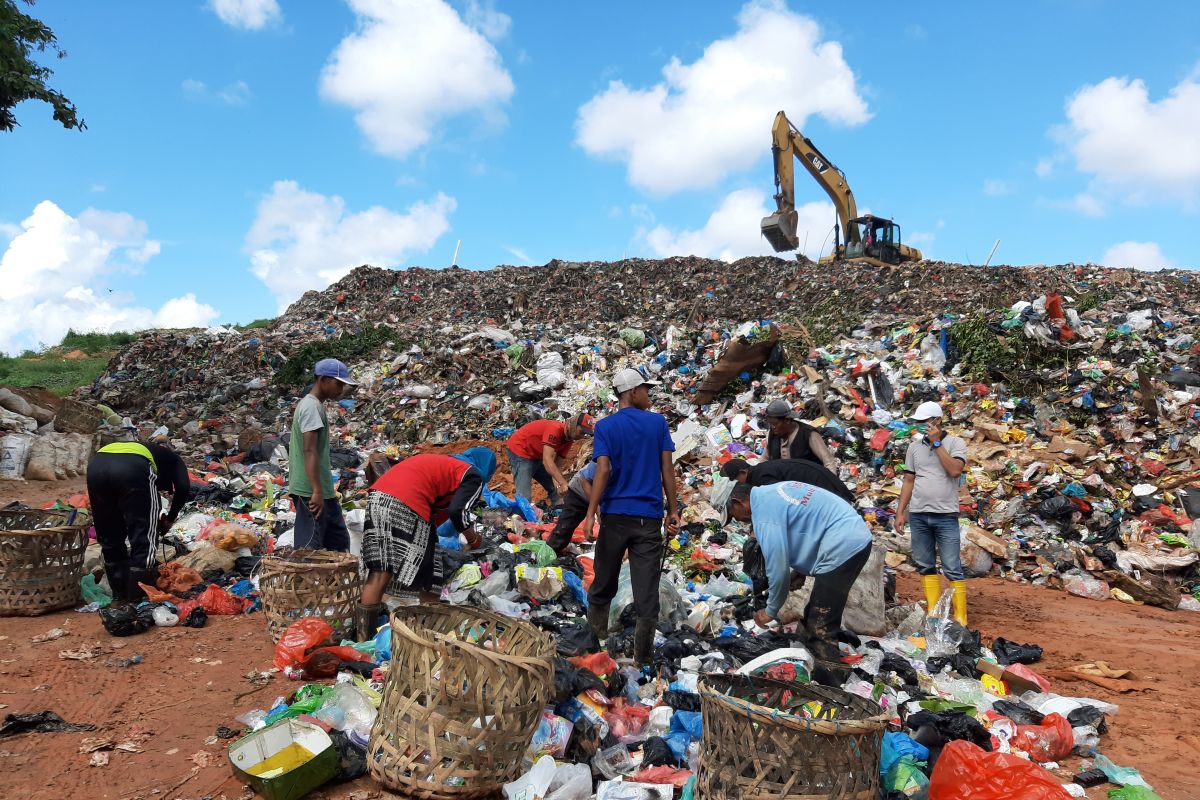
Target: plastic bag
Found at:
1050, 741
176, 578
897, 746
196, 617
299, 638
628, 722
543, 552
551, 737
1012, 653
600, 664
127, 620
571, 782
1083, 585
215, 600
570, 680
93, 592
1018, 712
1132, 792
965, 772
576, 640
1022, 671
662, 776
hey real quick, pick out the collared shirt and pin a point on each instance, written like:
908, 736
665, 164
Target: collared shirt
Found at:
634, 441
934, 491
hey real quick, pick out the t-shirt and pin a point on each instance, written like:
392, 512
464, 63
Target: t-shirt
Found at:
309, 416
586, 474
634, 441
803, 528
528, 440
428, 484
934, 491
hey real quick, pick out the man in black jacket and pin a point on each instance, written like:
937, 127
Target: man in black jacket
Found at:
123, 480
769, 472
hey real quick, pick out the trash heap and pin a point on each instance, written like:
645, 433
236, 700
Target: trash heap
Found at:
1076, 388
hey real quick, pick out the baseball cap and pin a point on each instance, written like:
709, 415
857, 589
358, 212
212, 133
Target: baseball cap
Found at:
586, 423
779, 409
629, 378
927, 410
332, 368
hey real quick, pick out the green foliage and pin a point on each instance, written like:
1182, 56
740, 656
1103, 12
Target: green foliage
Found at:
96, 342
256, 324
1014, 359
22, 78
298, 369
60, 375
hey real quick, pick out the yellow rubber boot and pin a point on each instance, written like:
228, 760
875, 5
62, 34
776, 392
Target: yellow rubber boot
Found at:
960, 602
933, 592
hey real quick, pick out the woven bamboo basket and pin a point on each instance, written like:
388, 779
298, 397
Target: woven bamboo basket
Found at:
757, 745
463, 697
41, 561
310, 583
76, 417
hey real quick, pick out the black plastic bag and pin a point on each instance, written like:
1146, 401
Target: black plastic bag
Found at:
352, 759
39, 722
1018, 712
656, 753
584, 742
1058, 508
953, 726
755, 566
681, 701
124, 621
196, 618
963, 665
620, 645
1088, 715
1012, 653
246, 565
570, 680
745, 648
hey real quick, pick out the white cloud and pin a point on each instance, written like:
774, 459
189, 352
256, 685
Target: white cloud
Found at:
410, 65
1142, 148
1044, 167
53, 269
1138, 255
483, 17
733, 230
712, 117
519, 254
993, 187
235, 94
250, 15
304, 240
1088, 204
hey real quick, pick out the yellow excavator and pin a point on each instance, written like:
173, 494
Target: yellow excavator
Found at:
868, 238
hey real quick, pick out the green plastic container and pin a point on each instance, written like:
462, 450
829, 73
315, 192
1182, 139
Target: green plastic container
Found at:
286, 760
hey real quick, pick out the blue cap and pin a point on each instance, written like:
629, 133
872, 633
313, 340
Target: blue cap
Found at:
332, 368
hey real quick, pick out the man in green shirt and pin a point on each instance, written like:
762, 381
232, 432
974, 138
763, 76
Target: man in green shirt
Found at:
319, 521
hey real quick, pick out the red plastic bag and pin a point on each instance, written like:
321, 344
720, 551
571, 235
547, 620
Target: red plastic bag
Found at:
966, 772
879, 440
325, 662
589, 571
1022, 671
216, 600
1051, 741
299, 638
626, 720
663, 775
600, 664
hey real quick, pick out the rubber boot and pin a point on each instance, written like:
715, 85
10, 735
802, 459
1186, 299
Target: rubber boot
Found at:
141, 575
597, 617
366, 620
117, 573
960, 602
643, 641
933, 592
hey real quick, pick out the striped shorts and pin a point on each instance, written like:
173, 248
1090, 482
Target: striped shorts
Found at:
397, 541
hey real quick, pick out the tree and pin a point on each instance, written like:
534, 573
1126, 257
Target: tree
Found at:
21, 78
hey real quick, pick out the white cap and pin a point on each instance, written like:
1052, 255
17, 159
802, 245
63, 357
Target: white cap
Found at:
628, 379
927, 410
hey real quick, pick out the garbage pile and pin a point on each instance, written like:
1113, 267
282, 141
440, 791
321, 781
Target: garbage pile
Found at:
1075, 387
41, 439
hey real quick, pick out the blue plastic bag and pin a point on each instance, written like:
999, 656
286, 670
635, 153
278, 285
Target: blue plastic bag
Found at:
383, 644
575, 584
897, 746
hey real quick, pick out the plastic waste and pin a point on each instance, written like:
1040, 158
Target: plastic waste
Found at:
298, 639
1052, 740
966, 772
93, 592
1132, 792
571, 782
1083, 585
1124, 776
165, 617
551, 737
614, 761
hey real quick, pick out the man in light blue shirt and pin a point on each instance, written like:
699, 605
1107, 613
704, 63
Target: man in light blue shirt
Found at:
810, 531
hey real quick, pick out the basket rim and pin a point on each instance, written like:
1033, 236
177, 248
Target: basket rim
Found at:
413, 635
57, 529
308, 558
837, 727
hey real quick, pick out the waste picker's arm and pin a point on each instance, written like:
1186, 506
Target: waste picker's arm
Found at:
788, 143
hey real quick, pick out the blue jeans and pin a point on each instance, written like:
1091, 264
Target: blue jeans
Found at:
327, 532
525, 471
936, 535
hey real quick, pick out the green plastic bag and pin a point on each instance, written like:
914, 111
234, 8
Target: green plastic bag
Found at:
1132, 792
543, 552
907, 776
93, 592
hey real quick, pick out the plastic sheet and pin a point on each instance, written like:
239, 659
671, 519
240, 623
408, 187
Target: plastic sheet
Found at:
965, 772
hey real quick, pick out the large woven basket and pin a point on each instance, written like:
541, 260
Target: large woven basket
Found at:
77, 417
310, 583
41, 560
463, 697
757, 745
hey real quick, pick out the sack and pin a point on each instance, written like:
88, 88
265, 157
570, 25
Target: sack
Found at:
299, 638
14, 454
965, 772
40, 466
865, 607
738, 358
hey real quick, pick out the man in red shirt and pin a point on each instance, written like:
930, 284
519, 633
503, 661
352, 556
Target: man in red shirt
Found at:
535, 451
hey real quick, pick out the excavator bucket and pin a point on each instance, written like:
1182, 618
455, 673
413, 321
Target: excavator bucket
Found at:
780, 230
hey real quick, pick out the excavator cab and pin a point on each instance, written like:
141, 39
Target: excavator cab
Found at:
878, 239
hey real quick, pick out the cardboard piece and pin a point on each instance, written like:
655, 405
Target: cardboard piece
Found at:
984, 540
1016, 684
1069, 449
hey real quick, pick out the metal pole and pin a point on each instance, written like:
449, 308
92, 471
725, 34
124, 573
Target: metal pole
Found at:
454, 262
989, 258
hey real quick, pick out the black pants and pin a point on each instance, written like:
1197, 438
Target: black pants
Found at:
125, 507
823, 614
641, 537
573, 511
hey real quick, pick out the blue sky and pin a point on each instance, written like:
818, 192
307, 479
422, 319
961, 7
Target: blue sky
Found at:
240, 152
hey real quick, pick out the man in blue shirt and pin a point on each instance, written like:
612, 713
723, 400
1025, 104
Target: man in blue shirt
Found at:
810, 531
632, 451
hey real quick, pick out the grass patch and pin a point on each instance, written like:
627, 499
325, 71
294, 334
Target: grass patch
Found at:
1014, 358
256, 324
96, 343
298, 369
60, 375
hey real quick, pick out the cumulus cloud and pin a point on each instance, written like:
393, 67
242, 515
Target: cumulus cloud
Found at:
1131, 143
711, 117
412, 64
483, 17
732, 230
250, 15
304, 240
53, 269
994, 187
1138, 255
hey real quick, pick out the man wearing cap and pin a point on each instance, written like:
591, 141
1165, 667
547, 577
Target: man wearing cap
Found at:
809, 531
933, 467
535, 450
769, 472
633, 471
319, 521
791, 438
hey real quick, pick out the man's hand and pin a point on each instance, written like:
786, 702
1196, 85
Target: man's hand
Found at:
560, 486
165, 523
316, 503
673, 522
589, 526
761, 618
901, 520
934, 431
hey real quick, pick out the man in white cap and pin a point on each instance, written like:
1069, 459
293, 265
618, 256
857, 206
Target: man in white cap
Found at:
632, 452
789, 437
933, 467
319, 521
